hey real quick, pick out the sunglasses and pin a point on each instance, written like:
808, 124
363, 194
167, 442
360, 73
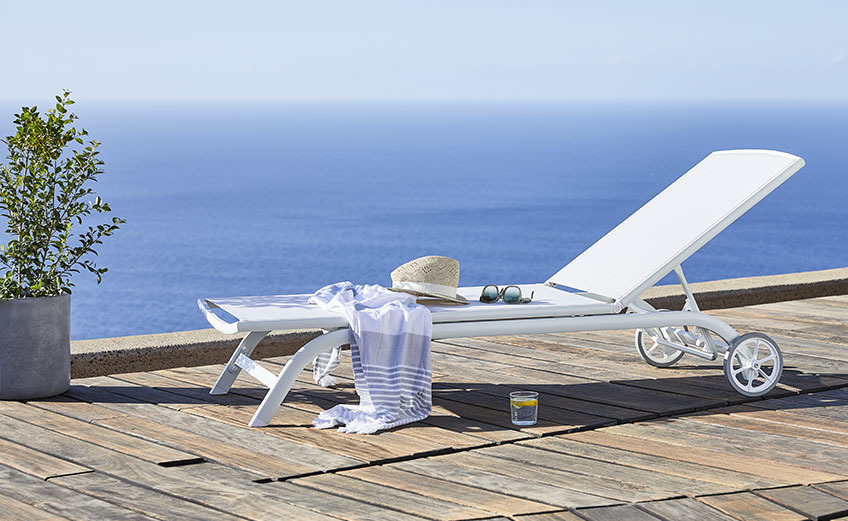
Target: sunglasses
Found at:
509, 294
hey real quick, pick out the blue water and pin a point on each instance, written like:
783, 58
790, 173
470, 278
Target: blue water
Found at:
259, 199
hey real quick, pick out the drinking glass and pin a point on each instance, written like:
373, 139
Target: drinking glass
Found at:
524, 407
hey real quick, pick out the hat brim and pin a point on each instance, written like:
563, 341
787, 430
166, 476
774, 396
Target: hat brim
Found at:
459, 299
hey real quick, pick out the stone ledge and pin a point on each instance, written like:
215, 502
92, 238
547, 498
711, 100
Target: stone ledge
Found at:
128, 354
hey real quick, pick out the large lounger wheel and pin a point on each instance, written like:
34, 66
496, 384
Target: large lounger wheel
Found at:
753, 364
652, 351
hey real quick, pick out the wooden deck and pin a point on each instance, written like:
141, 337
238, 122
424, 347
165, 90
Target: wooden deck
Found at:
617, 439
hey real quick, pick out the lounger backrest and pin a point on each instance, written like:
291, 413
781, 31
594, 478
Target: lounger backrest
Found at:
649, 244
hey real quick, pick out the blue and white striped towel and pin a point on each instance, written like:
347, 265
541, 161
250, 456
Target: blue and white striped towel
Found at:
390, 349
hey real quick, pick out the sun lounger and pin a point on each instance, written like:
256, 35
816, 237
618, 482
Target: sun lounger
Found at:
598, 290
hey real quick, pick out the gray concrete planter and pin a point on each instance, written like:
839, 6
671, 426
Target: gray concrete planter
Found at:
35, 347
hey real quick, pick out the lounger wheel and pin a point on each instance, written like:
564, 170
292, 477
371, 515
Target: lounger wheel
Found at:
753, 364
653, 352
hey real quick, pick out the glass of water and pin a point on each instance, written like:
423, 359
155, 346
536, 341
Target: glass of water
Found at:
524, 407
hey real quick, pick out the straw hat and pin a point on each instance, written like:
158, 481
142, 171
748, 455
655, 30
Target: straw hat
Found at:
430, 276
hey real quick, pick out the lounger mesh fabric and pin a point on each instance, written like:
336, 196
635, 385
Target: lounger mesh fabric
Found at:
670, 227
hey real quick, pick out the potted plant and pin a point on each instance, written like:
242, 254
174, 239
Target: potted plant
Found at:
48, 209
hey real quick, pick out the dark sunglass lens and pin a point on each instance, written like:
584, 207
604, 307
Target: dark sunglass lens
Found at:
512, 295
490, 294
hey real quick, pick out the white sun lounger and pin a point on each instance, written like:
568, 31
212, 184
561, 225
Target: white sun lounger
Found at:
610, 276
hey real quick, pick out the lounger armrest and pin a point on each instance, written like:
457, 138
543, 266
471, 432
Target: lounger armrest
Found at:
217, 322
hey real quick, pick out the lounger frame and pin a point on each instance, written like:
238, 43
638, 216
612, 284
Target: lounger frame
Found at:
623, 308
640, 316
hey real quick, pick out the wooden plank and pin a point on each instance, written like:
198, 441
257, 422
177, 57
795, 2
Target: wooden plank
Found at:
234, 491
658, 402
192, 393
617, 513
204, 378
736, 442
836, 488
618, 367
36, 463
799, 360
59, 500
809, 501
686, 387
346, 450
186, 425
560, 478
132, 393
447, 438
562, 515
444, 419
658, 463
209, 448
239, 415
388, 497
831, 348
447, 363
335, 505
498, 406
594, 476
605, 349
698, 454
479, 347
772, 323
377, 448
142, 499
548, 400
684, 510
837, 394
721, 418
432, 487
566, 363
810, 315
192, 482
499, 418
821, 407
140, 448
74, 408
14, 509
487, 480
803, 382
746, 506
72, 449
121, 404
786, 417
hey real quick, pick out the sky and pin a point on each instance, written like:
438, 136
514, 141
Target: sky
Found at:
368, 50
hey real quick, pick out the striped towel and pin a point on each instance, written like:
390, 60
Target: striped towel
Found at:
390, 349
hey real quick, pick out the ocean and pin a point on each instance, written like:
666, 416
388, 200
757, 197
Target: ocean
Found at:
249, 199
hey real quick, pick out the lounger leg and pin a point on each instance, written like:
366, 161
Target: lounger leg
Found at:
229, 374
288, 375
